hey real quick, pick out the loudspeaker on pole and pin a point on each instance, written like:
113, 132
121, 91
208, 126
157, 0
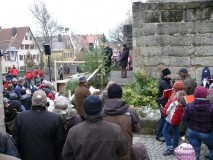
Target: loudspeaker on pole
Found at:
47, 49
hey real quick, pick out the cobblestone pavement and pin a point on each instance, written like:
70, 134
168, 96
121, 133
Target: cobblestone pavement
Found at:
155, 148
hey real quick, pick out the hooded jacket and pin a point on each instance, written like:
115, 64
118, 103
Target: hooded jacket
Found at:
118, 112
199, 115
94, 139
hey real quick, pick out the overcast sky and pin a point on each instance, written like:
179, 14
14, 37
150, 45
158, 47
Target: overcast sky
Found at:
81, 16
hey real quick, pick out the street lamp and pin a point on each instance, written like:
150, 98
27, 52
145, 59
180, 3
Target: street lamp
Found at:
12, 51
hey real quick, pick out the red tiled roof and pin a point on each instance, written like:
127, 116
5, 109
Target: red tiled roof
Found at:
86, 39
6, 34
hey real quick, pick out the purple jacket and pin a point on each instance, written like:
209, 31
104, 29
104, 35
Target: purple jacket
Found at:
199, 115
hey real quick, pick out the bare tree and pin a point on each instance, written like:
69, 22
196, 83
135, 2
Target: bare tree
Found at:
116, 34
49, 26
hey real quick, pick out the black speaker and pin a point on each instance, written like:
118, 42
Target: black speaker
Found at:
47, 49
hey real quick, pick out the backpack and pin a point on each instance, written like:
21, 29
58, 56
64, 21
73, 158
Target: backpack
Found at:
13, 95
206, 73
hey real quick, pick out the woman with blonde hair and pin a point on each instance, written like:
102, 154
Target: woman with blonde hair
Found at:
104, 96
173, 111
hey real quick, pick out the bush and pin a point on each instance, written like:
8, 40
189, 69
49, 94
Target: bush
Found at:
143, 92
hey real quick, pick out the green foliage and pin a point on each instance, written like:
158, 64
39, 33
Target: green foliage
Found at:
143, 92
94, 59
71, 85
29, 62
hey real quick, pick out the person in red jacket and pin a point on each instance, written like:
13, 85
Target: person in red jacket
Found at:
35, 74
41, 74
14, 71
29, 76
173, 111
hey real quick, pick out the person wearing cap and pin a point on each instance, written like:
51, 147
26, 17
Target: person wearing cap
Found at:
68, 114
123, 61
94, 138
116, 111
14, 82
14, 71
81, 92
199, 117
39, 133
189, 83
163, 84
173, 111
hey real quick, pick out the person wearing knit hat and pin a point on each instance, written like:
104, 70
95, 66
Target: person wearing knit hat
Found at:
67, 113
117, 111
94, 132
163, 84
178, 85
199, 117
41, 129
172, 112
201, 92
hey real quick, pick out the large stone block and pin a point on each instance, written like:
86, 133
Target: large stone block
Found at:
204, 51
178, 51
204, 27
151, 51
165, 60
172, 16
137, 7
208, 39
194, 15
147, 29
157, 40
137, 61
202, 61
181, 40
151, 16
141, 41
175, 28
136, 32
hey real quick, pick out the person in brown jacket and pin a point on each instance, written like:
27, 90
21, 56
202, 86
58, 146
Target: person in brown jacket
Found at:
118, 112
94, 139
81, 92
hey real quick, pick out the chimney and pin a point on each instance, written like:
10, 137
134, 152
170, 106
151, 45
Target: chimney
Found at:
14, 31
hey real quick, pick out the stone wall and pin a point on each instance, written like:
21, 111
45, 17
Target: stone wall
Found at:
174, 35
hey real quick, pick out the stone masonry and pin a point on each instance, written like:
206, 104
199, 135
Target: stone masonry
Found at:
174, 35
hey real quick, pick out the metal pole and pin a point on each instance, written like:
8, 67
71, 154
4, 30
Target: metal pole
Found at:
49, 67
2, 125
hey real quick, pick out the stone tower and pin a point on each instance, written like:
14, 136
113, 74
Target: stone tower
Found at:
173, 34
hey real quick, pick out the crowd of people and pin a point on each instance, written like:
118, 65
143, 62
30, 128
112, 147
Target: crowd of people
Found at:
42, 124
196, 117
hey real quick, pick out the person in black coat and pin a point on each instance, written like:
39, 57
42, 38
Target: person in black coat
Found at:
163, 84
123, 61
39, 134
